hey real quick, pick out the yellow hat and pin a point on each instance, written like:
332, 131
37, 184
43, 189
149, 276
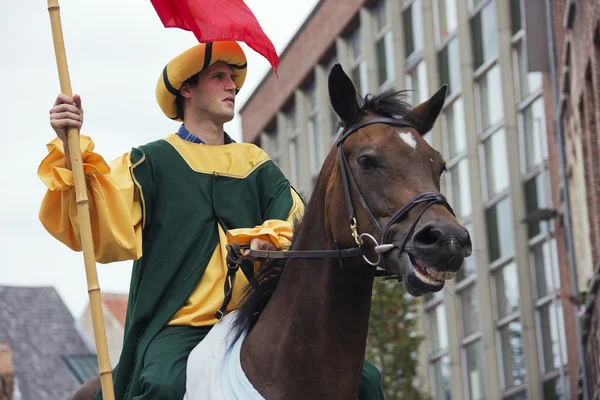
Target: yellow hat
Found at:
192, 61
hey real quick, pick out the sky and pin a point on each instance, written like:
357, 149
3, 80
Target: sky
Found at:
116, 50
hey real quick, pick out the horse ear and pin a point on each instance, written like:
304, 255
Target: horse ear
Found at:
425, 114
343, 95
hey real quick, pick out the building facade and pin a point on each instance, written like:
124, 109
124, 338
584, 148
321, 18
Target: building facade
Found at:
498, 330
572, 91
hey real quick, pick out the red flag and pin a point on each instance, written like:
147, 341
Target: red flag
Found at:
215, 20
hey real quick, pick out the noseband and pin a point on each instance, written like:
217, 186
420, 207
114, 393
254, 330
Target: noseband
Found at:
428, 199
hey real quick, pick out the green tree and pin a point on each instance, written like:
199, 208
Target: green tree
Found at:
393, 340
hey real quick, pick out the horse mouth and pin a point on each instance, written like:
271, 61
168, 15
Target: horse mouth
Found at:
418, 277
428, 275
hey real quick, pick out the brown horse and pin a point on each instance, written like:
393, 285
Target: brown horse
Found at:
376, 203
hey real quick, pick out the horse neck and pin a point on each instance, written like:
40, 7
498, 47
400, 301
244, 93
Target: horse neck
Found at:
313, 332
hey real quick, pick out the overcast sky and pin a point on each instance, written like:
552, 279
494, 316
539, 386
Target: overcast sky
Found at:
116, 50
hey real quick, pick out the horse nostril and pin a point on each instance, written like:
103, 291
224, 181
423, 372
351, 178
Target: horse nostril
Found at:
428, 236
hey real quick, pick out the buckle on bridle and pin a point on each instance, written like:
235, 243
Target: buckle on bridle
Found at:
355, 235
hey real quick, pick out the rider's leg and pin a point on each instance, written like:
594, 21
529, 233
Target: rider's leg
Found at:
370, 383
165, 361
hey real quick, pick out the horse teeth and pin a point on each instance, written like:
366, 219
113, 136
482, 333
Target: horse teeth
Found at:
443, 276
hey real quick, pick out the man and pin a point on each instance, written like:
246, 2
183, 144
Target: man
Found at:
172, 205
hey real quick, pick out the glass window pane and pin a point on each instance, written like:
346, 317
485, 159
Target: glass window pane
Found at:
535, 196
490, 98
549, 332
517, 396
528, 82
293, 163
441, 379
506, 290
449, 65
354, 45
385, 59
438, 331
546, 281
469, 303
496, 167
512, 355
468, 267
380, 16
553, 389
474, 360
413, 28
460, 194
483, 32
433, 296
314, 144
534, 133
455, 128
356, 79
446, 17
515, 16
499, 228
416, 82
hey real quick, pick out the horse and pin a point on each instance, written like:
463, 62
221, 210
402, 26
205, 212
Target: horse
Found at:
376, 209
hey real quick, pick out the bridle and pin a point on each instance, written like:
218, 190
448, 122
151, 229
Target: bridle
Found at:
427, 199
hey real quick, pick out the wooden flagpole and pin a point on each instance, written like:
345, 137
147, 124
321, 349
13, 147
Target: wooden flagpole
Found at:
83, 211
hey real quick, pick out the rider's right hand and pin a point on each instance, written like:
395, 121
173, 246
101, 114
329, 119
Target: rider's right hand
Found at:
66, 113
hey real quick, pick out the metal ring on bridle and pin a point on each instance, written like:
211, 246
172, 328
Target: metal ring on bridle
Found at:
375, 244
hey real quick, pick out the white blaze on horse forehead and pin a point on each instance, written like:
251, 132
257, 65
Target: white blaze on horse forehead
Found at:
408, 138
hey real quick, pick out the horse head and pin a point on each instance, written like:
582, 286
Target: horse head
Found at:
391, 187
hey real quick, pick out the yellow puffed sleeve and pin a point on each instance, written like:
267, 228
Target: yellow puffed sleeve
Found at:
115, 205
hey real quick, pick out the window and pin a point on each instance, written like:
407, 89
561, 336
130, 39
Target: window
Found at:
536, 197
490, 98
506, 290
271, 145
550, 351
496, 166
358, 64
413, 28
447, 20
483, 32
527, 82
315, 138
441, 382
384, 45
449, 63
512, 355
438, 328
460, 188
515, 16
546, 277
499, 228
416, 81
293, 135
455, 128
534, 133
469, 302
473, 354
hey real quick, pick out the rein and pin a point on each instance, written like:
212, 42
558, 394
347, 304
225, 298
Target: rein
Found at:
235, 254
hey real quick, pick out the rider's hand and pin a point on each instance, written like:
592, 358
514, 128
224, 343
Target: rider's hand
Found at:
66, 113
259, 244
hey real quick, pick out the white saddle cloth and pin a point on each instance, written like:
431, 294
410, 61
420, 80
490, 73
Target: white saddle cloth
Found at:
214, 371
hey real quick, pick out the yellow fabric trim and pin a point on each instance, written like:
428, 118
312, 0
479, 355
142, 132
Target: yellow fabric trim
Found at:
207, 297
236, 160
115, 210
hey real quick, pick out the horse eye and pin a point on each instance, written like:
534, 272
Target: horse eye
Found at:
367, 162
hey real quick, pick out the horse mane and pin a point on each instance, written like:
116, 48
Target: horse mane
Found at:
390, 103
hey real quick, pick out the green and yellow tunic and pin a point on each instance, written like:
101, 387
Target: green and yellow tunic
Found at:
172, 206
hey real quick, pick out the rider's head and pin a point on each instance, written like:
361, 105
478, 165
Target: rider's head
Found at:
203, 81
